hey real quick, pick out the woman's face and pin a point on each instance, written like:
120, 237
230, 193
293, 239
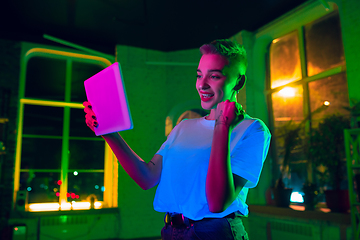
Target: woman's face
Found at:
216, 79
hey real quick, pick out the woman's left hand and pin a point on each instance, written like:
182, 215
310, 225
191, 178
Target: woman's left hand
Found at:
228, 113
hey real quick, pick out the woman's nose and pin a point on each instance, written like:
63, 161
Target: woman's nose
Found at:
203, 84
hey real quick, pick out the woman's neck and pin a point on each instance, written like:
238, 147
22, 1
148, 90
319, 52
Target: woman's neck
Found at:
211, 116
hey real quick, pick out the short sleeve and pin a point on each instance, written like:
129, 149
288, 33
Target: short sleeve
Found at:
249, 154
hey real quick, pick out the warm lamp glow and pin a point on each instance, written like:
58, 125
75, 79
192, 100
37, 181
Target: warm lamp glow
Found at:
326, 103
85, 205
97, 205
41, 207
80, 205
65, 206
287, 92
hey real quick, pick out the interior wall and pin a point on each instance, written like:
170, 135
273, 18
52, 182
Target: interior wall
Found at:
350, 27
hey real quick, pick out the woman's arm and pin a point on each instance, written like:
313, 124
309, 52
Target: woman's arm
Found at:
146, 175
222, 186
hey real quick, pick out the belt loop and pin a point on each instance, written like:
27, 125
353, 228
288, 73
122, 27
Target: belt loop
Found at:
167, 218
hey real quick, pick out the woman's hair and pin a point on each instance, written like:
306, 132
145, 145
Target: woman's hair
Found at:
232, 50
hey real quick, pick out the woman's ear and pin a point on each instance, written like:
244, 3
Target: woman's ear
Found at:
240, 82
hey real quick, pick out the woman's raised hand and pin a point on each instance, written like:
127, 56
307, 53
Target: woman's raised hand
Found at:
90, 118
228, 113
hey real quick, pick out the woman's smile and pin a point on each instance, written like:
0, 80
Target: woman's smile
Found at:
206, 96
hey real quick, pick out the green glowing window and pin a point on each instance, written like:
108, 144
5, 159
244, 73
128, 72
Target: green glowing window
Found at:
60, 163
307, 82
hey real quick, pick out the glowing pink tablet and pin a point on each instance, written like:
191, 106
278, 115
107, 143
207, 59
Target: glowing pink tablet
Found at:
106, 93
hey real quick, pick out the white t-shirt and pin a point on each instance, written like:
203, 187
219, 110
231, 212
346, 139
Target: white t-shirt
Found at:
186, 155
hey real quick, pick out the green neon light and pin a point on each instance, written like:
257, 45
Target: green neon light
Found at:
66, 131
51, 103
60, 137
58, 40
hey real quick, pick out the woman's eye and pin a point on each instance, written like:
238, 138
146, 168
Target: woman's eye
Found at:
198, 76
215, 77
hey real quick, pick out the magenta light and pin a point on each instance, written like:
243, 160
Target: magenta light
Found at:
106, 93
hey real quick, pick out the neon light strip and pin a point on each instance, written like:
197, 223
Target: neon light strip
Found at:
44, 207
59, 137
58, 170
91, 51
37, 207
51, 103
66, 55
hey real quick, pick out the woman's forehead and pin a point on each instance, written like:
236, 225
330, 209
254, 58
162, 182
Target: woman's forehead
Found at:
213, 61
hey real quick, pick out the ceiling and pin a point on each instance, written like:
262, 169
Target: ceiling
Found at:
164, 25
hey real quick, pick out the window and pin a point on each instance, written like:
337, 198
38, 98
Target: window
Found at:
59, 161
307, 82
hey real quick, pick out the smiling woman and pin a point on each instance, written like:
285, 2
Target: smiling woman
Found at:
206, 166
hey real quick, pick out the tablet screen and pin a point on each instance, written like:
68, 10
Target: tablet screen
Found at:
106, 93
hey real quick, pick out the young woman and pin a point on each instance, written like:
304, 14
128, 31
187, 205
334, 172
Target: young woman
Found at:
206, 166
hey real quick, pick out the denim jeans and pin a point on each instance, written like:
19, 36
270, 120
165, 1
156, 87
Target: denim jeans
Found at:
207, 229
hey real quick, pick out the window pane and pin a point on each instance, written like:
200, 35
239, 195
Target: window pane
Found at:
85, 184
81, 72
288, 105
78, 127
285, 60
288, 114
85, 154
41, 187
333, 90
324, 48
42, 120
41, 153
45, 78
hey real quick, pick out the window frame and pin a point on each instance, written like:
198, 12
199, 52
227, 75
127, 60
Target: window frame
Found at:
110, 162
311, 15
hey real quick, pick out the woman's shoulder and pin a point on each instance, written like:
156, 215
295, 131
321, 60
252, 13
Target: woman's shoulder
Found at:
255, 124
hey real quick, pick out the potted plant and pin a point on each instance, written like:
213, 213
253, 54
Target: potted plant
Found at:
327, 153
292, 138
289, 138
311, 192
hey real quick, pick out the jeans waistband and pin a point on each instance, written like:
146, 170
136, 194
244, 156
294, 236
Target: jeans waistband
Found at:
178, 219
